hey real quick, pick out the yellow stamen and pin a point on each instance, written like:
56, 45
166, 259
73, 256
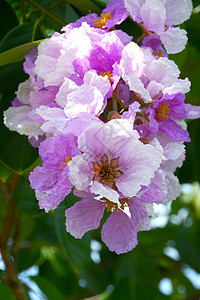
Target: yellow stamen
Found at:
108, 74
158, 53
163, 110
102, 22
64, 164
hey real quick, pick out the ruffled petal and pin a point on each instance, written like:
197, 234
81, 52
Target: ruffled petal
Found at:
139, 214
174, 39
153, 14
119, 233
83, 216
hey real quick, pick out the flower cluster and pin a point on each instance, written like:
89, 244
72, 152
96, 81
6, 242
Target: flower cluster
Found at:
108, 117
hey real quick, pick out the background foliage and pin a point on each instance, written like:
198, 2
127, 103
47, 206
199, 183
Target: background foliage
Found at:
35, 246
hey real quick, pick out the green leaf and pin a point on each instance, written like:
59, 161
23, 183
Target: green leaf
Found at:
16, 152
121, 291
10, 77
6, 292
17, 53
8, 18
101, 3
77, 250
85, 6
48, 288
66, 12
27, 257
24, 198
19, 35
4, 171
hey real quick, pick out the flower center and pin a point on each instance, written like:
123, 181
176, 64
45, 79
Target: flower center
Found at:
163, 110
101, 22
158, 53
114, 206
108, 74
106, 171
64, 164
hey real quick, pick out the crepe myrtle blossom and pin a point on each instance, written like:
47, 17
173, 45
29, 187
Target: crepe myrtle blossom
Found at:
51, 181
129, 215
160, 17
63, 56
114, 14
149, 76
22, 116
88, 97
164, 114
113, 160
119, 232
153, 41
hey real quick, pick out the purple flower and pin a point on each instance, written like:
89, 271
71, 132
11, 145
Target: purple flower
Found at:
114, 14
165, 113
113, 160
153, 41
119, 232
160, 16
51, 180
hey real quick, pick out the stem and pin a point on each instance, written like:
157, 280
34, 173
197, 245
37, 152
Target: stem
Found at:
37, 22
46, 12
11, 271
144, 33
22, 11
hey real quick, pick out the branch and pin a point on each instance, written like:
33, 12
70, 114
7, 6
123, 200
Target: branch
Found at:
46, 13
11, 271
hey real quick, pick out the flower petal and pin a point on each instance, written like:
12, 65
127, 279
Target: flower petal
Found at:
139, 214
83, 216
119, 233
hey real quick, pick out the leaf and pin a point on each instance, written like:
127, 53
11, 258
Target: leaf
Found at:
96, 277
27, 257
77, 251
121, 291
131, 28
19, 35
66, 12
6, 292
16, 152
10, 77
4, 171
48, 288
17, 53
25, 200
85, 6
100, 3
8, 18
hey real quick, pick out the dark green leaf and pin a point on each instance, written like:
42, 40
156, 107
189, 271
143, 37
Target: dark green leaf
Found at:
101, 3
16, 152
122, 291
85, 6
25, 199
6, 292
77, 251
19, 35
48, 288
8, 18
10, 77
4, 171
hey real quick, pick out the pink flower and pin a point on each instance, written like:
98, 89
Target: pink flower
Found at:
113, 160
51, 180
160, 16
